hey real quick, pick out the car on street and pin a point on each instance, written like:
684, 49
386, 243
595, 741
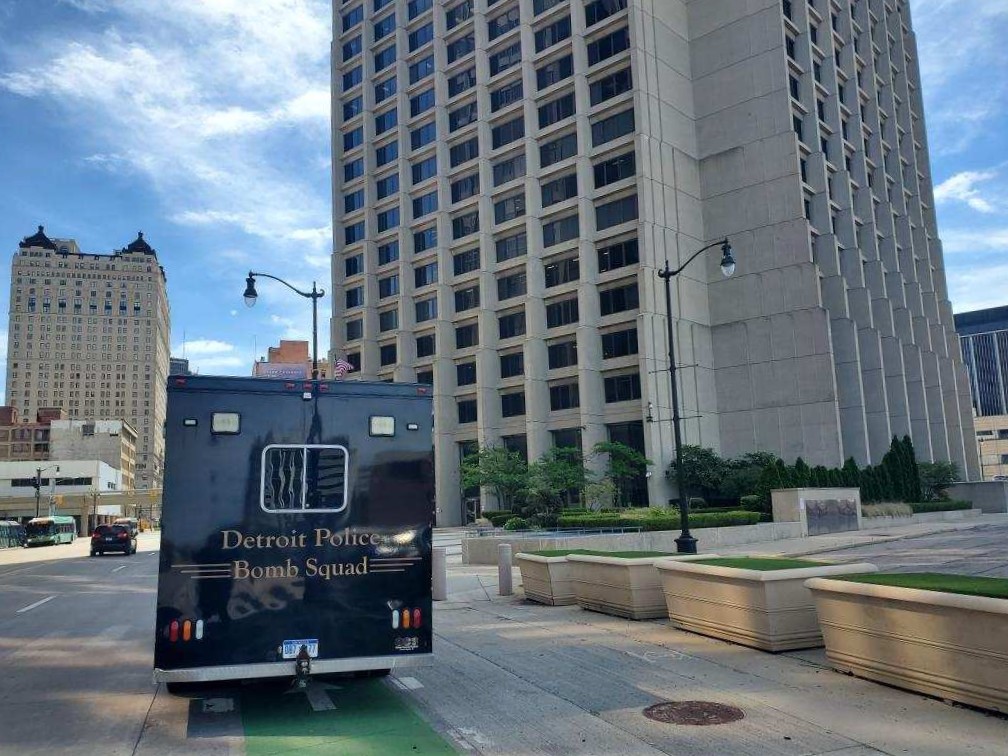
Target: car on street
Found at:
113, 538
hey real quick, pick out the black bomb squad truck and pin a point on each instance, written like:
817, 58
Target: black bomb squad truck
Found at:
296, 529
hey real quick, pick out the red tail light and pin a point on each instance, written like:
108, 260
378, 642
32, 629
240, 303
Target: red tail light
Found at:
123, 536
173, 631
416, 618
95, 536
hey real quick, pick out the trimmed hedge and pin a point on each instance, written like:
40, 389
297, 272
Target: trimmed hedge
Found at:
517, 523
660, 521
940, 506
498, 518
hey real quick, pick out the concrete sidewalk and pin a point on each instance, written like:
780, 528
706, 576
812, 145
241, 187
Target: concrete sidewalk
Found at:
512, 677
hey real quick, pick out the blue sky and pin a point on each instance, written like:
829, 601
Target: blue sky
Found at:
205, 123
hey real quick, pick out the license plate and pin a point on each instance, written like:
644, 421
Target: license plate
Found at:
291, 648
108, 539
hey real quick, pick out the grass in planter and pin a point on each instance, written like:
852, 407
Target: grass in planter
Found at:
967, 585
589, 552
764, 564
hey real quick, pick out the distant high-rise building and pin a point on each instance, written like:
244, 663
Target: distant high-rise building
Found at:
178, 366
509, 176
89, 333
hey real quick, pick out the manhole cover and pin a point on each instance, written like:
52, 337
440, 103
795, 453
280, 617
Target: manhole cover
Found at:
693, 713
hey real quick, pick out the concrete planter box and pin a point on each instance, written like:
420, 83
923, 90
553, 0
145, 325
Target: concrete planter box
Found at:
940, 644
622, 587
546, 579
771, 610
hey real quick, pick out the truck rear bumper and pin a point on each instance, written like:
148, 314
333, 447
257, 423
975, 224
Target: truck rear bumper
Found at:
285, 668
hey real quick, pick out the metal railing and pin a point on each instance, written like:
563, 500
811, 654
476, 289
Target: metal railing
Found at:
489, 532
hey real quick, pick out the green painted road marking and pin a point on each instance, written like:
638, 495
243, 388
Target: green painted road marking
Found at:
369, 718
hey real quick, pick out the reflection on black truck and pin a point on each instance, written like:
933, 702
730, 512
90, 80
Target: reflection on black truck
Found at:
297, 521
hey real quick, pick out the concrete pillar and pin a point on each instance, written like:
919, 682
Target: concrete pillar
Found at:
439, 581
504, 569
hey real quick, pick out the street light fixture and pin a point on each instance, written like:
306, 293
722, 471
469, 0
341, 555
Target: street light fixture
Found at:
251, 295
686, 543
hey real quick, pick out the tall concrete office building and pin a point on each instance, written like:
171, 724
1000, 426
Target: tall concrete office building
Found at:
510, 175
89, 334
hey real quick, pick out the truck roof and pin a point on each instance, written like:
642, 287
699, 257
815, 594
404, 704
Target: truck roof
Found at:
233, 384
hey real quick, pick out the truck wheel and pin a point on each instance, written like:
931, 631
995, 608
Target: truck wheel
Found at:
94, 553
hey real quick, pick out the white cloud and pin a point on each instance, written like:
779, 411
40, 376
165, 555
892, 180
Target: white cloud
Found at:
978, 288
962, 187
203, 347
965, 241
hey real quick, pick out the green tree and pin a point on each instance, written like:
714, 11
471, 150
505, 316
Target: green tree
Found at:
601, 494
743, 476
935, 477
703, 471
915, 492
556, 474
624, 464
503, 471
802, 474
851, 474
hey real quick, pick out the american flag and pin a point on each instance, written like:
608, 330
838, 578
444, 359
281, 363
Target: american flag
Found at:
341, 367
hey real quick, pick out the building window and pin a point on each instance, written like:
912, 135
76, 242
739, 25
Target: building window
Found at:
616, 212
613, 127
619, 344
618, 255
465, 374
555, 111
423, 135
467, 411
465, 187
467, 299
560, 230
388, 287
463, 152
512, 365
622, 388
424, 240
352, 77
353, 107
608, 46
425, 376
421, 37
552, 34
458, 14
511, 325
416, 7
354, 329
459, 48
425, 345
388, 320
388, 252
421, 103
384, 89
425, 275
387, 185
425, 204
509, 170
388, 219
387, 354
464, 225
508, 132
384, 58
421, 69
511, 286
384, 27
426, 309
466, 262
386, 153
354, 297
619, 299
609, 86
554, 71
353, 169
600, 9
461, 82
564, 396
509, 208
557, 150
562, 313
506, 95
562, 354
351, 48
511, 247
559, 189
353, 201
352, 234
354, 265
513, 405
462, 116
353, 139
562, 271
615, 169
466, 336
503, 60
503, 23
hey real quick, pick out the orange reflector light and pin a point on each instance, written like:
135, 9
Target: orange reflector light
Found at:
173, 631
416, 618
187, 630
405, 619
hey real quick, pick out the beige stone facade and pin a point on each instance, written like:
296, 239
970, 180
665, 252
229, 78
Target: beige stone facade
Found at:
89, 334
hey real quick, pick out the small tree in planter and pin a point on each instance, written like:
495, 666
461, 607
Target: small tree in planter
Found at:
625, 464
600, 494
550, 478
935, 477
503, 471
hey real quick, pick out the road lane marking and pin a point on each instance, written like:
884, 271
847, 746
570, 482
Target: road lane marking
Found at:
407, 683
35, 605
121, 567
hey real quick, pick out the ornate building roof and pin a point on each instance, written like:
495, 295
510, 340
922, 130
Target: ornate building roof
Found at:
141, 246
38, 240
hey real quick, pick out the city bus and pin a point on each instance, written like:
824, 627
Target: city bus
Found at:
49, 531
12, 534
296, 529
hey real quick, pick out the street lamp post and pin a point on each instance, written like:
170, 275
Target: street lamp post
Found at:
314, 295
685, 543
38, 486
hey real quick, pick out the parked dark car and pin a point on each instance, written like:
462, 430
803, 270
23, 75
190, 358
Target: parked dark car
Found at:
113, 538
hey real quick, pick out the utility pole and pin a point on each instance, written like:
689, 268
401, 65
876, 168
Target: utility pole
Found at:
38, 488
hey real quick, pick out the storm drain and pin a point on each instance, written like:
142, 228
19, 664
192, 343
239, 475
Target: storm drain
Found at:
693, 713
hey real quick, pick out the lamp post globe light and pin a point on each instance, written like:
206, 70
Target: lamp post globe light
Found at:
685, 543
251, 295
